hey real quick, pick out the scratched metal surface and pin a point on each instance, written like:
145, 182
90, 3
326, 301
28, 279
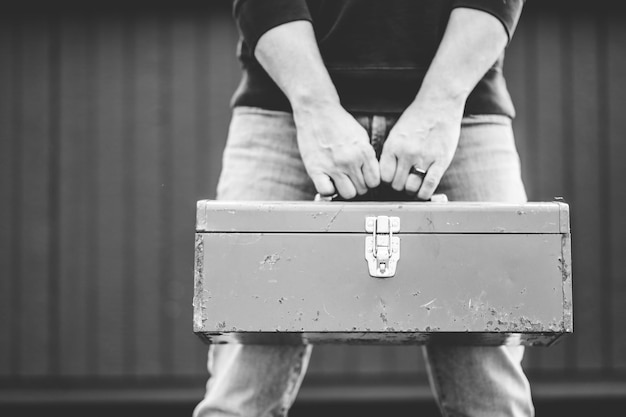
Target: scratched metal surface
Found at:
489, 288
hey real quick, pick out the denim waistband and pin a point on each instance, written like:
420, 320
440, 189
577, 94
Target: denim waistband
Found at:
378, 128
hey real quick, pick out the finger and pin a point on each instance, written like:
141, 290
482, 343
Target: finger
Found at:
400, 177
413, 183
358, 181
371, 170
323, 185
431, 181
387, 166
344, 186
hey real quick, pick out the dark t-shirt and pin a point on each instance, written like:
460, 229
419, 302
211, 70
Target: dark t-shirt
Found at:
376, 51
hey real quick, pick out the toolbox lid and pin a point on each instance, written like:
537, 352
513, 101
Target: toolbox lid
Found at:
350, 217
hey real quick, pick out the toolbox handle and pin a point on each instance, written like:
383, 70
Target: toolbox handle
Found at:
436, 198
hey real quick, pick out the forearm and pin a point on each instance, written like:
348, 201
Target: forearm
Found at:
472, 43
334, 147
290, 55
427, 133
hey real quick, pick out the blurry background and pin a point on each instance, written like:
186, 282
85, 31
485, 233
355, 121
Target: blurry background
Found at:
113, 117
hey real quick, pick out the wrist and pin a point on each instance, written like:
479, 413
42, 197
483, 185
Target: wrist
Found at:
438, 102
306, 101
445, 91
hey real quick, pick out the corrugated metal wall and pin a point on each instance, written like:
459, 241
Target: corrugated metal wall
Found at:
112, 123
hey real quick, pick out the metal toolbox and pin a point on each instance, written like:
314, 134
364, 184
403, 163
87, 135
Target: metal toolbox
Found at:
382, 272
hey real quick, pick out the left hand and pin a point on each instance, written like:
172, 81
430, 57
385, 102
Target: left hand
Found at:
425, 136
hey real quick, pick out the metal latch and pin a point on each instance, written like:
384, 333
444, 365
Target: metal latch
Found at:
382, 249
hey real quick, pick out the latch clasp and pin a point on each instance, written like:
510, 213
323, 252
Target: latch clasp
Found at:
382, 249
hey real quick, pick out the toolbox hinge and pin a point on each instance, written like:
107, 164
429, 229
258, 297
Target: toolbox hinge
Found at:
382, 248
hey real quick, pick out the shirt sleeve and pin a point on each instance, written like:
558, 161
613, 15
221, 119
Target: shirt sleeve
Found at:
255, 17
507, 11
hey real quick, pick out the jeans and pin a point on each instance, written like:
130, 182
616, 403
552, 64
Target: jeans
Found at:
261, 162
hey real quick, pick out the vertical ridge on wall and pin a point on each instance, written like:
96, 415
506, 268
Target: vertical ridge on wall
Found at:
616, 192
54, 130
603, 187
189, 353
7, 200
129, 194
203, 107
32, 278
165, 324
91, 196
16, 196
203, 65
587, 200
147, 188
74, 208
566, 114
110, 141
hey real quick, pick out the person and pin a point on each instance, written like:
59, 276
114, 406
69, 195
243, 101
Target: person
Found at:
349, 97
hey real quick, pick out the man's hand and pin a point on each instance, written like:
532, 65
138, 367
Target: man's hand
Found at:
334, 147
427, 133
336, 151
425, 137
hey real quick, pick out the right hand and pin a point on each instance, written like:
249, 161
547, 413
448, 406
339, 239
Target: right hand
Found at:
336, 151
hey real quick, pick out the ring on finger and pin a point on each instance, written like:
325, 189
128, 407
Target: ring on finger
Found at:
418, 171
413, 182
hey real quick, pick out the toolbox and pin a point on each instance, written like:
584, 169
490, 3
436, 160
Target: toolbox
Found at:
382, 272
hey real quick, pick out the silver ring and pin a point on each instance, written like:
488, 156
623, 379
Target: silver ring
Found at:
417, 171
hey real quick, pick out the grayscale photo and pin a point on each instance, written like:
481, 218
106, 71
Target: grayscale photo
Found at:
272, 208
